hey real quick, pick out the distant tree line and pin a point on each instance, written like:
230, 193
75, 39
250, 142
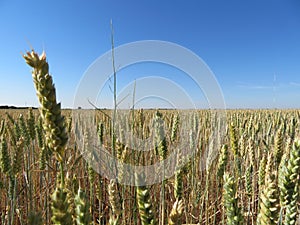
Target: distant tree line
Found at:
14, 107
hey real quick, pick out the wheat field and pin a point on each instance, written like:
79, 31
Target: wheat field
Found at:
254, 177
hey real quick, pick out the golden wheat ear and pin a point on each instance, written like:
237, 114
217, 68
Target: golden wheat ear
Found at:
176, 213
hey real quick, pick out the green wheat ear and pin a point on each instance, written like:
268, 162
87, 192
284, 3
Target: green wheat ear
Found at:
223, 158
248, 180
160, 137
178, 184
290, 174
12, 130
144, 202
82, 209
60, 208
4, 157
269, 203
24, 130
262, 171
18, 157
235, 149
2, 127
31, 124
233, 212
53, 121
175, 123
291, 209
39, 132
278, 146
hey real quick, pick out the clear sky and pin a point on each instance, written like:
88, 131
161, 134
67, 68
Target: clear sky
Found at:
252, 47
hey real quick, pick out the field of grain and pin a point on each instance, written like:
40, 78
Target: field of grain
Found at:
45, 178
254, 179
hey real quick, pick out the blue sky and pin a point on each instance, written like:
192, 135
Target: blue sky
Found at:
252, 47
